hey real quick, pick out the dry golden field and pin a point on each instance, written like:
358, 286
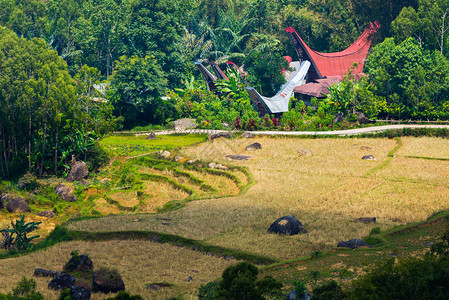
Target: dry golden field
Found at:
326, 192
140, 263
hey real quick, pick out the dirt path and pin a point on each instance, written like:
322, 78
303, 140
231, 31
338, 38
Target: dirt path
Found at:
356, 131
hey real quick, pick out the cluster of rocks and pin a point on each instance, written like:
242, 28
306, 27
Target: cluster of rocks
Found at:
79, 276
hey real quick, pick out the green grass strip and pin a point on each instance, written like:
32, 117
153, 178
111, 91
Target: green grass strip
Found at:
194, 180
428, 158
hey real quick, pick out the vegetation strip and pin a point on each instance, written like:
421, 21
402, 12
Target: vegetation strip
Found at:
172, 239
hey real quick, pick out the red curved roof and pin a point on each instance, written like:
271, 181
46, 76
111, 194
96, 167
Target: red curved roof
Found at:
337, 63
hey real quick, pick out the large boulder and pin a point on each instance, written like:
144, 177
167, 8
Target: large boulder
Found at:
65, 193
288, 225
17, 205
78, 172
61, 282
79, 293
253, 146
108, 281
217, 135
353, 244
183, 124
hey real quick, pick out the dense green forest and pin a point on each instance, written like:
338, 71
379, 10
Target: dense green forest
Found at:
53, 52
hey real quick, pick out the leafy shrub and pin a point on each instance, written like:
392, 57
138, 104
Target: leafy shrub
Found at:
240, 282
373, 241
328, 291
18, 234
28, 182
207, 292
98, 156
375, 230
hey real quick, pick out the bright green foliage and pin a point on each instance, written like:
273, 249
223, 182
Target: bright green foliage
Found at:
412, 82
265, 71
137, 84
18, 233
240, 282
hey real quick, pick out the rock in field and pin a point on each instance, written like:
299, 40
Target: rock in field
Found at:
362, 118
78, 172
365, 148
164, 154
65, 193
238, 157
108, 281
368, 157
17, 205
61, 282
366, 220
304, 152
353, 244
224, 134
294, 295
38, 272
151, 136
79, 292
253, 146
288, 225
79, 264
47, 214
248, 135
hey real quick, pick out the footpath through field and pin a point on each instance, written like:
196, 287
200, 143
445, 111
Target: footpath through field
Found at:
356, 131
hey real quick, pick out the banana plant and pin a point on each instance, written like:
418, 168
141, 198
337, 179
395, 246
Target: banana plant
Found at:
18, 233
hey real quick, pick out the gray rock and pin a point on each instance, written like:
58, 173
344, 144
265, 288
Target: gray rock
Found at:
79, 293
304, 152
248, 135
61, 282
239, 157
212, 165
151, 136
78, 172
179, 158
189, 279
154, 287
17, 205
253, 146
353, 244
164, 154
368, 157
366, 220
220, 167
365, 148
65, 193
38, 272
183, 124
224, 134
47, 214
288, 225
192, 161
225, 125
